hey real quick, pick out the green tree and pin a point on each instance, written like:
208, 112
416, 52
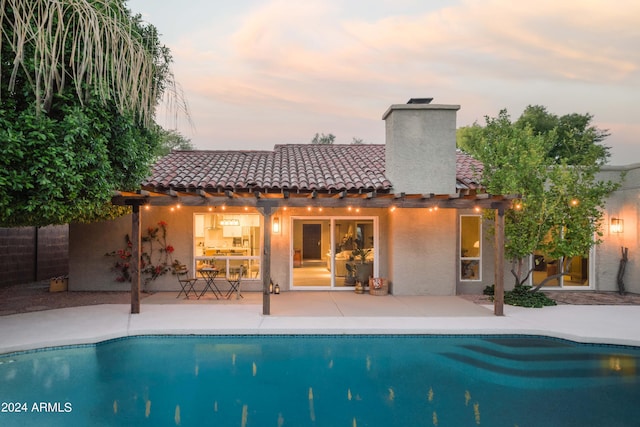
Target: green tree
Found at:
79, 84
323, 139
561, 206
577, 141
172, 140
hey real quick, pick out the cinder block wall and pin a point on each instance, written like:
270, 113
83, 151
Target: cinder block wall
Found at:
53, 251
29, 254
17, 255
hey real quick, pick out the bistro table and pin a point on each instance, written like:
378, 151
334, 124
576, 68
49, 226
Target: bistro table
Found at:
209, 274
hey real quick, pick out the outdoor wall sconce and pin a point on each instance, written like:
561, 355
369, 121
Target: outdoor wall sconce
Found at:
275, 226
617, 225
276, 289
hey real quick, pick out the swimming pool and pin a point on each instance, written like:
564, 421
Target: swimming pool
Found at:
323, 381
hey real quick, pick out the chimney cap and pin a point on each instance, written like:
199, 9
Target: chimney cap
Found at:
420, 101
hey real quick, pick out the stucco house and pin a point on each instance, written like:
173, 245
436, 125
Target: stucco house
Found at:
295, 214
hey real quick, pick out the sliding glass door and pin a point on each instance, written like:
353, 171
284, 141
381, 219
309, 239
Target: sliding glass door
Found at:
331, 252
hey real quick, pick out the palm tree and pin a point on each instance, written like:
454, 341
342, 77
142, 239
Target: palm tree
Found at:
95, 46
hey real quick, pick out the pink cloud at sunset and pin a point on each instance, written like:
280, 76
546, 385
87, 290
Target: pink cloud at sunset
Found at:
257, 73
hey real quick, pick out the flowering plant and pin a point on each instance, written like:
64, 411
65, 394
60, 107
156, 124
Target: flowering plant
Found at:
155, 256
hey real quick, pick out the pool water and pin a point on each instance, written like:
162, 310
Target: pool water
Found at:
351, 381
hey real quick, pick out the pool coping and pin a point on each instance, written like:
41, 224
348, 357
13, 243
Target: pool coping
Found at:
93, 324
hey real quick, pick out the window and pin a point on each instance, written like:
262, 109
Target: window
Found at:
228, 241
563, 272
470, 247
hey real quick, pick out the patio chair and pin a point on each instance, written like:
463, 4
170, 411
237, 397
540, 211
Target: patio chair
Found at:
186, 282
235, 279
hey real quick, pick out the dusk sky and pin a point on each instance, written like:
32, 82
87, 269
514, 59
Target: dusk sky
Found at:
259, 73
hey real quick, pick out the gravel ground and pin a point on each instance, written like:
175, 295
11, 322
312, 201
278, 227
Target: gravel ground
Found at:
36, 297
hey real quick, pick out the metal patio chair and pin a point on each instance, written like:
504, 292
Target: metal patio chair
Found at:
186, 282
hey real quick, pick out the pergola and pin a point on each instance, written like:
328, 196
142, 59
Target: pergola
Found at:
266, 202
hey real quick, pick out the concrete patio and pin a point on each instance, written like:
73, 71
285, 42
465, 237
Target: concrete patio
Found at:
315, 313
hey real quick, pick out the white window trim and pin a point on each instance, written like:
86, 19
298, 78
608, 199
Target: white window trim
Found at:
332, 220
478, 258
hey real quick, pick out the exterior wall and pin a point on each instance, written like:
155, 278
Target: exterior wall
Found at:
625, 204
90, 269
422, 252
420, 153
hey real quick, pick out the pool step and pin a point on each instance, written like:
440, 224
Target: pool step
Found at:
540, 361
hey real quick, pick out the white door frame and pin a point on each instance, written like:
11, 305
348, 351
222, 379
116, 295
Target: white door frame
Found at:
332, 219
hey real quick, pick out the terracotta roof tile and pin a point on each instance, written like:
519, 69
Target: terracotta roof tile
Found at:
305, 167
468, 170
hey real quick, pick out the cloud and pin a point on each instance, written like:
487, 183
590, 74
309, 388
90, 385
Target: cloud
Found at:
330, 61
581, 40
300, 51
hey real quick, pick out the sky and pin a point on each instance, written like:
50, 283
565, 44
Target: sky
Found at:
256, 73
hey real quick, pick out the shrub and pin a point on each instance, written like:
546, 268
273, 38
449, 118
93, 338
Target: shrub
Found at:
522, 296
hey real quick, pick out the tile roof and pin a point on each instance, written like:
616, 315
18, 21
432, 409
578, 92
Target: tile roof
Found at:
304, 167
468, 170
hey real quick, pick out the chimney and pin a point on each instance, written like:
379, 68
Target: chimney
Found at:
420, 152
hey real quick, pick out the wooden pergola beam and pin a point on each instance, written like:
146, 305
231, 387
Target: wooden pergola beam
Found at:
136, 242
342, 199
368, 200
498, 294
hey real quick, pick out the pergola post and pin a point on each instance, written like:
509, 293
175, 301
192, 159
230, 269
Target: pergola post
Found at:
498, 295
135, 259
266, 262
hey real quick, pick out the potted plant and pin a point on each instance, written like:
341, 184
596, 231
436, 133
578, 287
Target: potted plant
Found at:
350, 277
364, 269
